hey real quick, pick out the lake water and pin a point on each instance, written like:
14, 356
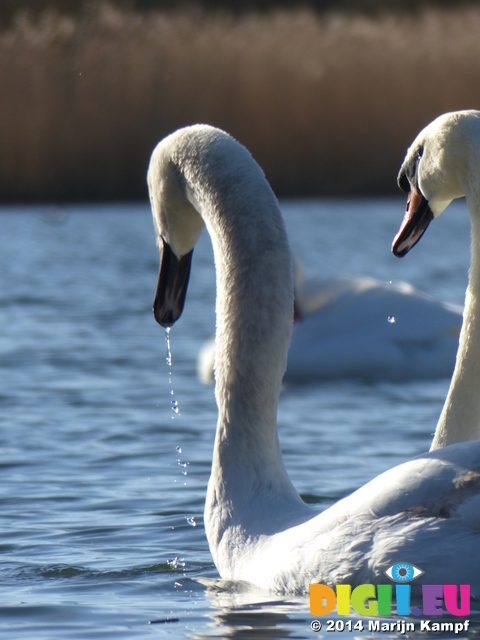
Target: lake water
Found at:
102, 484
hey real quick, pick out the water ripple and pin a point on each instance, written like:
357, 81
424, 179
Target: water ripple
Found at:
96, 514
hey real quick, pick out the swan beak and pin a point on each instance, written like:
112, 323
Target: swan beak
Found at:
172, 285
418, 216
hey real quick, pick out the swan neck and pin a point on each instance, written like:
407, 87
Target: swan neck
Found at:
460, 417
254, 308
254, 316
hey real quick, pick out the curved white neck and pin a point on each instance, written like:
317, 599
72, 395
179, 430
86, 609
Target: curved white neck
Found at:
460, 417
254, 312
254, 321
248, 483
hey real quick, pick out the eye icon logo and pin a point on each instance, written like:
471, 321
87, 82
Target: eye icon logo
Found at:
403, 572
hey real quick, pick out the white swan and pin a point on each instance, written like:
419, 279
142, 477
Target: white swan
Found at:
365, 329
259, 530
442, 164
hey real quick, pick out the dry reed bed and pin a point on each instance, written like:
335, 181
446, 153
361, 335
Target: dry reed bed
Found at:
327, 105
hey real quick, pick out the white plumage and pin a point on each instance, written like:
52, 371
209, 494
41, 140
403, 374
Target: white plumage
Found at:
443, 163
258, 528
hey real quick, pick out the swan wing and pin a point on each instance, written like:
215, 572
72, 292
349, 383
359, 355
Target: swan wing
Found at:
424, 511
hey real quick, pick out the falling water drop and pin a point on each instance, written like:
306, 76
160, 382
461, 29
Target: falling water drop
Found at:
191, 521
391, 319
168, 357
169, 360
174, 403
184, 466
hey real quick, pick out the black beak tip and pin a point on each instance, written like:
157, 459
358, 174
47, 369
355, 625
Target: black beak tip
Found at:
167, 320
399, 252
171, 287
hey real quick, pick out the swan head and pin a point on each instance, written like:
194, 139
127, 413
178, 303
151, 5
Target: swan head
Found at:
177, 224
436, 170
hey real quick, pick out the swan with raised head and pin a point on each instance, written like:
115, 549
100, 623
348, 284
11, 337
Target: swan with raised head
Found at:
365, 329
258, 528
443, 163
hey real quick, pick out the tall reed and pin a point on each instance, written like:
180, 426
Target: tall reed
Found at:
326, 104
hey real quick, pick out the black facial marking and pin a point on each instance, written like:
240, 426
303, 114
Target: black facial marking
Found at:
408, 174
403, 182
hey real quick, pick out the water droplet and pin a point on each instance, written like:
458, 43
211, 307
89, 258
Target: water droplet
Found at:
191, 521
391, 319
173, 400
389, 282
169, 360
174, 563
168, 357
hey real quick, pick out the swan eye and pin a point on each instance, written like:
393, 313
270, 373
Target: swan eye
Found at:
403, 572
418, 157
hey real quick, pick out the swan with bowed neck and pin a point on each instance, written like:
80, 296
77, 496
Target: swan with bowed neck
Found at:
443, 163
364, 329
258, 528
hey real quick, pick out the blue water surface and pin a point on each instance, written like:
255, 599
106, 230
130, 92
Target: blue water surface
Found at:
103, 483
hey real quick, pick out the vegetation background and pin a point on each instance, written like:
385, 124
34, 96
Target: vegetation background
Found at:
327, 95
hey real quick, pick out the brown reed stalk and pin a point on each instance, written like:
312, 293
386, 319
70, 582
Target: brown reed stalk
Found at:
327, 104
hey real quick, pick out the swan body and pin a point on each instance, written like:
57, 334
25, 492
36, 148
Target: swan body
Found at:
365, 329
443, 163
258, 528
